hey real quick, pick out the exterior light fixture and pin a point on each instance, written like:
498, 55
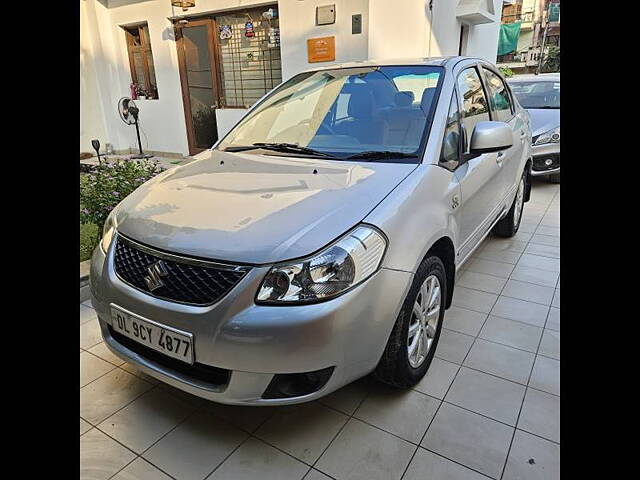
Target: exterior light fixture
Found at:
184, 4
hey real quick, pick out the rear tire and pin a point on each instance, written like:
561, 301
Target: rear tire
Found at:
398, 366
508, 226
554, 178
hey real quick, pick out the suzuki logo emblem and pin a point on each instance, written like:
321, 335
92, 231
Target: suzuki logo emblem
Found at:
156, 271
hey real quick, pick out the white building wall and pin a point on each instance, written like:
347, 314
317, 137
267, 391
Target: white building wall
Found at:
445, 28
298, 23
408, 28
398, 28
92, 121
390, 29
483, 38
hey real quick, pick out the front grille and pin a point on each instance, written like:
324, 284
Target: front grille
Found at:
197, 371
539, 162
182, 280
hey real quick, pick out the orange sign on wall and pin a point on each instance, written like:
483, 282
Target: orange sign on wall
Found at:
322, 49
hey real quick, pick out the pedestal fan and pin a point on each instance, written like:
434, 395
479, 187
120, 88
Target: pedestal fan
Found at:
129, 115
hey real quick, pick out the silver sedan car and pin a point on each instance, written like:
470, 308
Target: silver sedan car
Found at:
319, 240
540, 96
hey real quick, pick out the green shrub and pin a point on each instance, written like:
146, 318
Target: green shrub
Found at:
552, 60
89, 237
110, 182
506, 71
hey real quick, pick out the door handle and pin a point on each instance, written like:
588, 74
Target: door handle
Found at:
499, 158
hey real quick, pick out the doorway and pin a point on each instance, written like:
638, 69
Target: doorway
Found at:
227, 60
199, 78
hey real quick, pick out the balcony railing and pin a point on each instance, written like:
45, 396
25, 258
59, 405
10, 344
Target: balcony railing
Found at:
518, 17
529, 57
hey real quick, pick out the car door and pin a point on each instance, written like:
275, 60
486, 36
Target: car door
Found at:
479, 175
503, 110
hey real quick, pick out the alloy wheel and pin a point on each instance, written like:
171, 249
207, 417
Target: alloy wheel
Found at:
425, 317
519, 203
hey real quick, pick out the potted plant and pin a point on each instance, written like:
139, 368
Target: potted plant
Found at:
141, 93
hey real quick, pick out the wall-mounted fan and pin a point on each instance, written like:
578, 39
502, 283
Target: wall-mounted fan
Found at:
129, 115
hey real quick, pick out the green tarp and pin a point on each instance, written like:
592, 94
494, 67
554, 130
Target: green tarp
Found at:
508, 39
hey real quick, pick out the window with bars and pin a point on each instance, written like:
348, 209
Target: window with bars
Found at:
249, 58
143, 74
553, 40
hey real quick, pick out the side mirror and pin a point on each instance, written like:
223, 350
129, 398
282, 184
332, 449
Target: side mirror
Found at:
490, 137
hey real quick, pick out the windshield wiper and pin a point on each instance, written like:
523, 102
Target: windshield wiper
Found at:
280, 147
377, 154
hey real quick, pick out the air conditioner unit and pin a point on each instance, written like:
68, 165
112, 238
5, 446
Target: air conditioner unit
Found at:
476, 12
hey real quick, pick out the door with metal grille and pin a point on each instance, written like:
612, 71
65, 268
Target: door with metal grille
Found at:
226, 61
249, 55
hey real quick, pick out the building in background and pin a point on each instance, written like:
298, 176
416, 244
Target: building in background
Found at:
194, 72
529, 31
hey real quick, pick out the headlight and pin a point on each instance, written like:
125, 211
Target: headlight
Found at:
107, 232
342, 265
552, 136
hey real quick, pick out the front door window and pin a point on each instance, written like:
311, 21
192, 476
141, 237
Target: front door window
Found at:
474, 102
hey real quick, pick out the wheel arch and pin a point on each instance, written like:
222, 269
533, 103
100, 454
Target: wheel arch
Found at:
444, 249
527, 168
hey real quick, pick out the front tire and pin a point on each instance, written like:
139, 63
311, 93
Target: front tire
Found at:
508, 226
415, 335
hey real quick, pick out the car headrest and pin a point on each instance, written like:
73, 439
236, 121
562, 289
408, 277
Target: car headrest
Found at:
427, 98
403, 99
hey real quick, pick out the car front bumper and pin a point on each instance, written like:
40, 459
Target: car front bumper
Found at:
543, 153
255, 342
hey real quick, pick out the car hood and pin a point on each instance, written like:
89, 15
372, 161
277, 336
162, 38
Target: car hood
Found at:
256, 209
543, 119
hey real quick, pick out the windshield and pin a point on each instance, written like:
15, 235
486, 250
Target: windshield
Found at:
342, 112
537, 94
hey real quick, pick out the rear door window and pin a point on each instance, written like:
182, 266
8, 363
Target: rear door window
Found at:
498, 96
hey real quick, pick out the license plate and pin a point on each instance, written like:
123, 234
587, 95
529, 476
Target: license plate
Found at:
167, 340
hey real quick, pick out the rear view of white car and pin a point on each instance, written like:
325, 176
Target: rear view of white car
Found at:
540, 96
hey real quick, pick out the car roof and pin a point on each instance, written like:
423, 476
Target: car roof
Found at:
543, 77
426, 61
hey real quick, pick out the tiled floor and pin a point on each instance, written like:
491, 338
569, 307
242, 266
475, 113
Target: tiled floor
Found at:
489, 406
